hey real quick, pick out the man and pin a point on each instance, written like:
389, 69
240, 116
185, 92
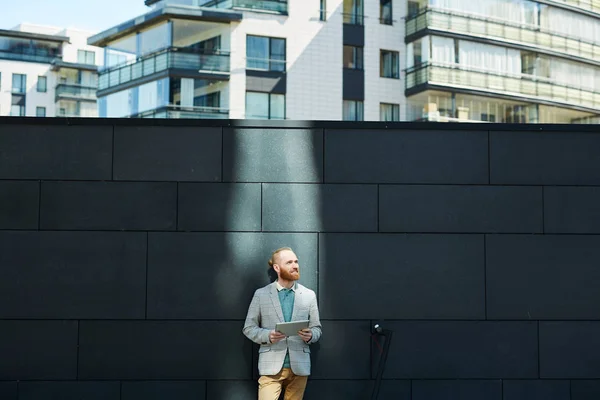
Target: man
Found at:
283, 362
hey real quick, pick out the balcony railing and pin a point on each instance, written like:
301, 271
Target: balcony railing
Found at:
73, 91
276, 6
29, 55
473, 25
172, 57
354, 19
455, 76
590, 5
179, 112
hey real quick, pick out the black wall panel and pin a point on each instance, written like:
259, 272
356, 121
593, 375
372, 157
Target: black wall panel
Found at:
130, 251
527, 277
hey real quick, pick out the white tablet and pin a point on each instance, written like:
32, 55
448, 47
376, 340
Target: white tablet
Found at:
291, 328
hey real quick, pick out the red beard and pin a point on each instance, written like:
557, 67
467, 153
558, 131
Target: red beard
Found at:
289, 276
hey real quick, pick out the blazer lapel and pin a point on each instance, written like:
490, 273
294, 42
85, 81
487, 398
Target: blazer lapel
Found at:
297, 300
276, 302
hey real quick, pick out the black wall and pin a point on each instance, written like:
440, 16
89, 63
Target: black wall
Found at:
129, 252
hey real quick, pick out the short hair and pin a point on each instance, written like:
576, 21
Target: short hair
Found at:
275, 253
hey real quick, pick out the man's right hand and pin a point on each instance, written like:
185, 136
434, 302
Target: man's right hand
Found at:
275, 336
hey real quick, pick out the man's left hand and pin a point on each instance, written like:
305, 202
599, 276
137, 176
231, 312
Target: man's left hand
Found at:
305, 334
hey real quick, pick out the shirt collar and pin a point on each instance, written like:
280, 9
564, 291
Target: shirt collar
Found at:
280, 288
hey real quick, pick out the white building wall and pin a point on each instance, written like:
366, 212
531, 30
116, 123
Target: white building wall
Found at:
383, 37
78, 41
33, 98
314, 59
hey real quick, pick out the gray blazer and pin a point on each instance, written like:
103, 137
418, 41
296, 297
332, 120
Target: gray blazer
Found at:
264, 312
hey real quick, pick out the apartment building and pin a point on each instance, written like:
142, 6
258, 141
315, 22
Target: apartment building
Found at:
419, 60
47, 71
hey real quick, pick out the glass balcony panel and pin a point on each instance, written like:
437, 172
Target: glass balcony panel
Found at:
75, 91
126, 74
136, 71
278, 6
148, 66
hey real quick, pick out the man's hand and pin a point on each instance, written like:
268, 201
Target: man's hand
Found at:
275, 336
305, 334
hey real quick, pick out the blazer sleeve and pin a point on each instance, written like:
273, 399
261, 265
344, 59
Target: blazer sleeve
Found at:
252, 328
314, 323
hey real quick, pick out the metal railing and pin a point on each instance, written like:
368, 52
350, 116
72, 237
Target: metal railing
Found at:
172, 57
177, 112
277, 6
354, 19
75, 91
474, 25
265, 64
29, 55
518, 85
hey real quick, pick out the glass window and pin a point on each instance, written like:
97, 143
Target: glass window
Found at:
265, 105
42, 84
389, 64
323, 10
353, 12
353, 110
17, 110
385, 12
353, 57
389, 112
19, 83
86, 57
40, 111
265, 53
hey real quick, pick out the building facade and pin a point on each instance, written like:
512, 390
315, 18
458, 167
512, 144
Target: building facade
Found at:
48, 71
432, 60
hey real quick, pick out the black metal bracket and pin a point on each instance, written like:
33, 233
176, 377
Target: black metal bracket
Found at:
387, 334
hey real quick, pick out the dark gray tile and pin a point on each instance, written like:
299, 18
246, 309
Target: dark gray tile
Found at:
231, 390
163, 350
167, 153
273, 155
219, 207
8, 390
319, 208
38, 350
19, 205
338, 389
462, 350
460, 209
109, 205
572, 210
72, 275
401, 276
536, 390
544, 158
164, 390
214, 275
69, 390
55, 152
585, 390
331, 358
457, 390
393, 156
542, 277
570, 350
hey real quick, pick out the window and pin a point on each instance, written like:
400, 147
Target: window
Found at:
40, 111
264, 53
42, 84
413, 8
86, 57
353, 57
265, 105
323, 10
385, 12
389, 112
19, 83
389, 64
17, 110
353, 110
353, 12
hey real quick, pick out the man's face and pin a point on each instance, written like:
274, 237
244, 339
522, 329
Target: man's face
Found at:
287, 266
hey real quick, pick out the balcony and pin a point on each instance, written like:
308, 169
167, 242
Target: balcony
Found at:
29, 55
179, 112
75, 92
588, 5
437, 75
275, 6
495, 29
171, 58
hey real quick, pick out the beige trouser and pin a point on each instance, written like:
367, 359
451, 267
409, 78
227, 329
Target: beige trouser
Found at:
269, 386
